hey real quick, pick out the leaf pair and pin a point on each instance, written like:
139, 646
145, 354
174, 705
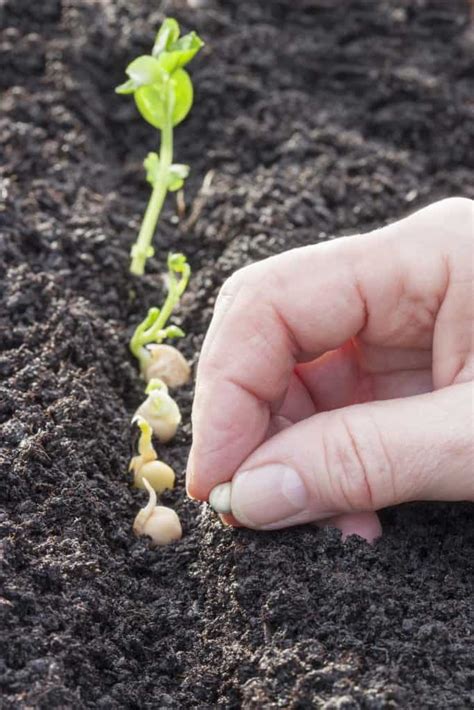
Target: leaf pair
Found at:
177, 173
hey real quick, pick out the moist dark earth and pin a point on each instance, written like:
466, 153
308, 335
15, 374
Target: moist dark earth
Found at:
312, 119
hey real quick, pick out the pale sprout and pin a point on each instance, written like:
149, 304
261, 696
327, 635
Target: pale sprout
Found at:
220, 498
166, 363
158, 522
159, 474
160, 411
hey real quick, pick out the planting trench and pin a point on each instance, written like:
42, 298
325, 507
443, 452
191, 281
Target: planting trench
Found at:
312, 118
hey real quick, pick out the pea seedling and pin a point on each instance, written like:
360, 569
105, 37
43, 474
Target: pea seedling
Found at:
163, 94
160, 411
157, 360
146, 466
158, 522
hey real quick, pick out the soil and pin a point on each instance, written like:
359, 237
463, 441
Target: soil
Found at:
313, 118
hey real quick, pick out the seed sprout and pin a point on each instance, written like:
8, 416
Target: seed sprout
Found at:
163, 94
160, 411
157, 360
158, 522
146, 464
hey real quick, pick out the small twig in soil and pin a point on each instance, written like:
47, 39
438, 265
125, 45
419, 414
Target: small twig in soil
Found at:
200, 201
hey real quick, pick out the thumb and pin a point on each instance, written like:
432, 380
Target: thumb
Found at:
360, 458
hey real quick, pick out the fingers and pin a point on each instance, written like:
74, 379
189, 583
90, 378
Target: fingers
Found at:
356, 373
360, 459
385, 287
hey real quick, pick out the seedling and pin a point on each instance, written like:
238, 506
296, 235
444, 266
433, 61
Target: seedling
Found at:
157, 360
163, 94
160, 411
158, 522
146, 464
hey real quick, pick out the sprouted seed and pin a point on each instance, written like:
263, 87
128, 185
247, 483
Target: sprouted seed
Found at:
165, 362
146, 464
160, 411
160, 523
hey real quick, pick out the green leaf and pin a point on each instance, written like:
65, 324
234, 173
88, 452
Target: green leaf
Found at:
152, 167
183, 95
149, 101
176, 261
128, 87
187, 47
176, 176
180, 53
173, 331
145, 70
167, 34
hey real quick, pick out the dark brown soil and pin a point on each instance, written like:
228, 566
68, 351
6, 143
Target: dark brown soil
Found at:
317, 118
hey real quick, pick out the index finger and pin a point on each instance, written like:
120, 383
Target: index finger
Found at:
305, 301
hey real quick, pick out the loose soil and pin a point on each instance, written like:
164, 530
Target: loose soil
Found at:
316, 118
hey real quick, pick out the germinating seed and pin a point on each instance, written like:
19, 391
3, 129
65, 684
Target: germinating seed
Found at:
158, 522
160, 411
153, 330
167, 364
159, 474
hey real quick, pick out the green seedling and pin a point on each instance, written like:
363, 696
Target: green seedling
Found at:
163, 94
157, 360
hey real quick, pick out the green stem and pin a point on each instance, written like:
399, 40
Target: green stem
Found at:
171, 300
142, 248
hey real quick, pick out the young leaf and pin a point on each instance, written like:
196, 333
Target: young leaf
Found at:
128, 87
145, 70
177, 175
173, 331
167, 34
183, 95
152, 167
149, 101
180, 53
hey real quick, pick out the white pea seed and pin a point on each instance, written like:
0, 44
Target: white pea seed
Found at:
158, 522
219, 498
166, 363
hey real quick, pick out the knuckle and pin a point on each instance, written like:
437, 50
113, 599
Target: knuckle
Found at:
460, 214
358, 466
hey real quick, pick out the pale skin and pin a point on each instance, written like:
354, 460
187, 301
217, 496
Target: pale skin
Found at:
337, 379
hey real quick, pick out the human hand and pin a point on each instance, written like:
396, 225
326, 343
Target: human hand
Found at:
337, 379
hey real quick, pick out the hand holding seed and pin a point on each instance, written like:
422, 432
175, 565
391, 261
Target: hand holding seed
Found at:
337, 379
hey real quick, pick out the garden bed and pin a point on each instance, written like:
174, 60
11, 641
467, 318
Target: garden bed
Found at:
312, 118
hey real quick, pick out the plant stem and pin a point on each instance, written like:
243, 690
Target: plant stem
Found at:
142, 248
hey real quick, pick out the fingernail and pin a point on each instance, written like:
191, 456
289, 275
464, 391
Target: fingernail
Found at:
269, 497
